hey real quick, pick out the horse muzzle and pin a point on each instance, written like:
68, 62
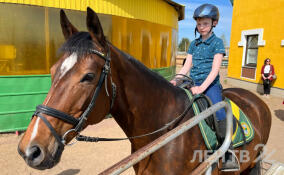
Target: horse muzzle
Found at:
36, 156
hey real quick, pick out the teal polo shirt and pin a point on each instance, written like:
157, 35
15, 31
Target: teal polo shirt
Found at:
202, 57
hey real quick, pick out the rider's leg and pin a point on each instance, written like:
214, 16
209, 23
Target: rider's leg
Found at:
214, 92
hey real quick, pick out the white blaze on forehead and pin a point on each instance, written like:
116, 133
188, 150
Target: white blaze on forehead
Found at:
67, 64
35, 129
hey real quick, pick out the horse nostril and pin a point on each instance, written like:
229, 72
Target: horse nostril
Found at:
35, 152
34, 155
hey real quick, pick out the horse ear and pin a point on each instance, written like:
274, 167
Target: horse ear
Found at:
67, 28
94, 27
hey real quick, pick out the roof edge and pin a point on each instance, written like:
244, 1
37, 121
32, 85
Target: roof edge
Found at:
179, 8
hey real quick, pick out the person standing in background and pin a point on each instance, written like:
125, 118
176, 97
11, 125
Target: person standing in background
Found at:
267, 74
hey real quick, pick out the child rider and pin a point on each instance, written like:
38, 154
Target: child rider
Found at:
203, 60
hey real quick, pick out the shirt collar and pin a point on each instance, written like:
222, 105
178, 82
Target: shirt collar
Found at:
207, 41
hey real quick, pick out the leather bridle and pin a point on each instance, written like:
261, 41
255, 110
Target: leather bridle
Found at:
78, 123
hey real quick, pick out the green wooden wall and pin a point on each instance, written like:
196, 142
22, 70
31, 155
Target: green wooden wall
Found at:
19, 96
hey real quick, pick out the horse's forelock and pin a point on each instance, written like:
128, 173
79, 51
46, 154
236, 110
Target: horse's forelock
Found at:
80, 43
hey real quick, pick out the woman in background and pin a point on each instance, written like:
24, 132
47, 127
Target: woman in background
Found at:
267, 73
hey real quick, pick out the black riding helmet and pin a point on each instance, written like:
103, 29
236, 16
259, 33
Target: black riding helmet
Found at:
206, 11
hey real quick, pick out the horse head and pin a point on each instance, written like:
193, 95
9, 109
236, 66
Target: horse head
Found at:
78, 84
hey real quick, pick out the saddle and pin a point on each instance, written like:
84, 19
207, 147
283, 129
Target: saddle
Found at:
203, 103
209, 127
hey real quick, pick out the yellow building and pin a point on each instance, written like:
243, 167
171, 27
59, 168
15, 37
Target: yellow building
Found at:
257, 33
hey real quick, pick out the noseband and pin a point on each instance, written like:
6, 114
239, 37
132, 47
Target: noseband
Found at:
78, 123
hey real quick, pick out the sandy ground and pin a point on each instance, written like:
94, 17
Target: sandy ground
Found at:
92, 158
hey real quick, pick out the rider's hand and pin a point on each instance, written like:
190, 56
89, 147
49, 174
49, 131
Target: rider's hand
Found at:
196, 90
174, 82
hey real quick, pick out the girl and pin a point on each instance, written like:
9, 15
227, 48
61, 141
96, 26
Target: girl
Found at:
204, 58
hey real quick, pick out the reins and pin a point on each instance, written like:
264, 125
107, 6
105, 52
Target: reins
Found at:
97, 139
78, 123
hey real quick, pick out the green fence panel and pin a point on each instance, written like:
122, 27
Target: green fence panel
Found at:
19, 96
166, 72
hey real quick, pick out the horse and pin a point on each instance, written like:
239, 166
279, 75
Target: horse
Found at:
93, 78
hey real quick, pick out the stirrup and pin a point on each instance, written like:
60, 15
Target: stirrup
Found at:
233, 167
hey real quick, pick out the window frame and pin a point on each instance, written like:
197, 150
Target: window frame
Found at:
243, 43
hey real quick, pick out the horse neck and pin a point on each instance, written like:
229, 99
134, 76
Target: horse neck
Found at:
145, 101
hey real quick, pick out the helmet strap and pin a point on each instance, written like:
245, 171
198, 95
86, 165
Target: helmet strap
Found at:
195, 31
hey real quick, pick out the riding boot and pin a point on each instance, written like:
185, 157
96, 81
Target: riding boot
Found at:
231, 162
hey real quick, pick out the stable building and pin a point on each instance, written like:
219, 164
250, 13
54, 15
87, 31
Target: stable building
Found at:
31, 35
256, 34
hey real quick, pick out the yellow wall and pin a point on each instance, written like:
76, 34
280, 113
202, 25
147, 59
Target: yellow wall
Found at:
136, 9
152, 44
257, 14
33, 36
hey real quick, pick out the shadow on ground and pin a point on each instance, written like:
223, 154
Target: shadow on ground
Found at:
69, 172
279, 114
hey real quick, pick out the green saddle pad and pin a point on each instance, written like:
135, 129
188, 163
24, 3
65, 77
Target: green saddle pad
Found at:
208, 134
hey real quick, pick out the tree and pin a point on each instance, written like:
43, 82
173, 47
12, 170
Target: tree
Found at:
183, 45
223, 37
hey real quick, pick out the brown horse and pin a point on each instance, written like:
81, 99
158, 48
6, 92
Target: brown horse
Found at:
93, 78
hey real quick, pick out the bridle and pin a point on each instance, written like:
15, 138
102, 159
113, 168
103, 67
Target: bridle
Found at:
78, 123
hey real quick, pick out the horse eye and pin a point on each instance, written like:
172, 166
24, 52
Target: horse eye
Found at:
88, 77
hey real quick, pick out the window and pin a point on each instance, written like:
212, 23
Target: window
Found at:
251, 51
146, 49
250, 41
164, 50
30, 38
22, 40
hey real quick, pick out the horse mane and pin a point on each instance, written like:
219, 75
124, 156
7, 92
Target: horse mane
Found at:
150, 75
81, 43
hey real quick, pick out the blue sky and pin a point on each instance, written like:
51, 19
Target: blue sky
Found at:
187, 26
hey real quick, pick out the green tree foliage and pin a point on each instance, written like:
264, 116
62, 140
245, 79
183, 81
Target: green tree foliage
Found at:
223, 37
183, 45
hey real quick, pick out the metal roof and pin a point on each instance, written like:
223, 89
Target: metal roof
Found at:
179, 8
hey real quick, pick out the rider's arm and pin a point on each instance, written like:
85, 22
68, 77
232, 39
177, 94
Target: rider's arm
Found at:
185, 69
187, 65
